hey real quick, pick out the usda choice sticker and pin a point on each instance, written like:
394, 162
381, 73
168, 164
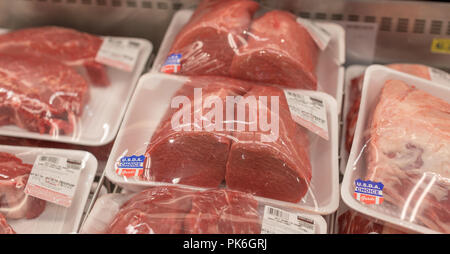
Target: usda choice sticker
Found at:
172, 64
130, 165
369, 192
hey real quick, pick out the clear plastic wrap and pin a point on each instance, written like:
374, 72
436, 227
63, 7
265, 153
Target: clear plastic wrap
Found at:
51, 84
5, 228
398, 170
228, 38
211, 132
351, 222
24, 213
174, 210
354, 99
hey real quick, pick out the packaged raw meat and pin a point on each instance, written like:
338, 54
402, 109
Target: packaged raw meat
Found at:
33, 206
14, 203
175, 210
398, 170
269, 46
279, 50
211, 132
4, 227
101, 153
418, 70
352, 222
197, 156
68, 46
44, 96
207, 43
40, 94
280, 169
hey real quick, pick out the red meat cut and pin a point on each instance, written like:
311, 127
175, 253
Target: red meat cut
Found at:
352, 222
409, 152
279, 51
158, 210
40, 95
14, 203
68, 46
193, 156
5, 228
209, 40
280, 169
223, 212
355, 96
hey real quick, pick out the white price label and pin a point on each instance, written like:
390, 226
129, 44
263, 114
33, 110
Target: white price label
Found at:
439, 76
119, 53
54, 179
319, 35
308, 111
277, 221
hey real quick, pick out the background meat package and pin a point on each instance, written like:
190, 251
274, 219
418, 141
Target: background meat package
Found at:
35, 216
81, 95
141, 132
329, 72
354, 77
411, 163
174, 210
349, 221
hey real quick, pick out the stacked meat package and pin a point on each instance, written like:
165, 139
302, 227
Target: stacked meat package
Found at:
54, 83
240, 130
398, 166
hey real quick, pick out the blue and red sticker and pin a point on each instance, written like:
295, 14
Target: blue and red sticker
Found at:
172, 64
369, 192
130, 165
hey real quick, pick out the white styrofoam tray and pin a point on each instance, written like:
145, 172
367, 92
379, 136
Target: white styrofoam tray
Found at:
56, 219
103, 112
330, 73
107, 206
152, 99
351, 72
374, 79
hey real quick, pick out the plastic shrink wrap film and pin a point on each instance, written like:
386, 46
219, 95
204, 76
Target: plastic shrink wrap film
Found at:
33, 206
278, 169
171, 210
14, 203
5, 228
355, 95
351, 222
408, 151
51, 84
219, 132
222, 38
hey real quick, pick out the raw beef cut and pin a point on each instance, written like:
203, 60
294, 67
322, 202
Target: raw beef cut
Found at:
223, 212
279, 51
197, 155
355, 96
352, 222
41, 95
65, 45
280, 169
158, 210
409, 152
208, 42
14, 203
4, 227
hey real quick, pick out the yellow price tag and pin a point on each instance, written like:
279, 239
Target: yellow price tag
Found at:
441, 45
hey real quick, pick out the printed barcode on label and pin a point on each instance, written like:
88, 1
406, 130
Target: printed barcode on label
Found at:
74, 165
278, 213
278, 221
49, 159
305, 222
